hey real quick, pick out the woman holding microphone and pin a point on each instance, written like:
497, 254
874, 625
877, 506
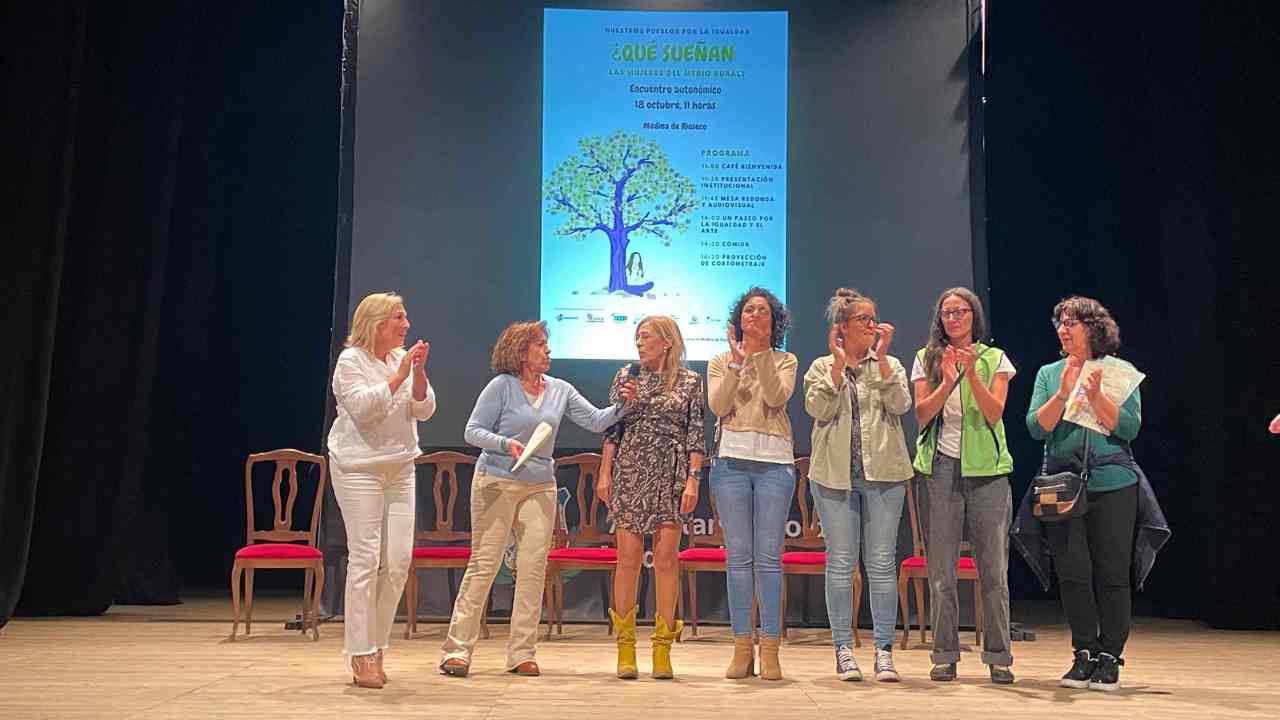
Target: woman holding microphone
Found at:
382, 394
519, 398
649, 477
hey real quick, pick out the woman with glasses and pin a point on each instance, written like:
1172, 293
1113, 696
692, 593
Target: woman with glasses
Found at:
859, 467
961, 385
1093, 553
753, 476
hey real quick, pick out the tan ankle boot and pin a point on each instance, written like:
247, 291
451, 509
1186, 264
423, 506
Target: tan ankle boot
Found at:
770, 669
377, 662
662, 638
743, 663
364, 671
625, 629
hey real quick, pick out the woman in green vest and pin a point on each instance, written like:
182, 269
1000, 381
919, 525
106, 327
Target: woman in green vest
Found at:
960, 386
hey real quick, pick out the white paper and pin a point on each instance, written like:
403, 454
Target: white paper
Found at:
536, 441
1119, 380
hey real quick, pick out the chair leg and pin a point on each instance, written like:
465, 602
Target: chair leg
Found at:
548, 603
236, 571
693, 601
903, 592
679, 598
308, 577
317, 587
559, 604
857, 607
410, 601
484, 618
977, 612
248, 600
920, 607
608, 621
782, 621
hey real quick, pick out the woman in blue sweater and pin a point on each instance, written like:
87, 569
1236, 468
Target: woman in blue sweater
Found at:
508, 410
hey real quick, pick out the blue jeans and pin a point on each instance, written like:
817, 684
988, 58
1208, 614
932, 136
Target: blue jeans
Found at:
869, 512
754, 502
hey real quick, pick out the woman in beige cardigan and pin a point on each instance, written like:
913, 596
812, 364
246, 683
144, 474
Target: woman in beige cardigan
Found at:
753, 472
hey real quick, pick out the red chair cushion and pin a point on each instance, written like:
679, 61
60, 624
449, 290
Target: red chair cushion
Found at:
585, 554
704, 554
804, 558
443, 552
279, 551
915, 561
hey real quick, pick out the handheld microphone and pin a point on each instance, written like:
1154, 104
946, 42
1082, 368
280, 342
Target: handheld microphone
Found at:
633, 370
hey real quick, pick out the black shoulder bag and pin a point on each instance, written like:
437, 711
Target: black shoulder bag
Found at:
1064, 495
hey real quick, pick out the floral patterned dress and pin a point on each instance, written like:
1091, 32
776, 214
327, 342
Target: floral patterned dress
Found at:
654, 442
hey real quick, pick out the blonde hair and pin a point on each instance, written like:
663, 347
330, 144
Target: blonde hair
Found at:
512, 348
673, 359
371, 311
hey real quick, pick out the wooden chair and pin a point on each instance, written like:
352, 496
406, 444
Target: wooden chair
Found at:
279, 547
442, 547
808, 553
585, 549
705, 553
916, 570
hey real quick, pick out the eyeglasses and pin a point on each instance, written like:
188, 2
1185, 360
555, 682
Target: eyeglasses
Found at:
1068, 323
864, 319
954, 314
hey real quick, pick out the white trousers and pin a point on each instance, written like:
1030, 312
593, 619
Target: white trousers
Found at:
499, 506
378, 511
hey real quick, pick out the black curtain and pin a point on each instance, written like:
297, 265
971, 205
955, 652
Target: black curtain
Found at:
1132, 158
173, 181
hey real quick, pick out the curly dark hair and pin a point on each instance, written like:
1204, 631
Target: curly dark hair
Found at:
779, 315
1104, 333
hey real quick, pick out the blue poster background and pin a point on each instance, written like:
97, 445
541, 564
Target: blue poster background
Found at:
701, 98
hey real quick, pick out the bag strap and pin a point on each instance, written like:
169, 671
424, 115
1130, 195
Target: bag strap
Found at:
1084, 466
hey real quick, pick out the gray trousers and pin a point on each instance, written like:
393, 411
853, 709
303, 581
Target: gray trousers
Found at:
985, 506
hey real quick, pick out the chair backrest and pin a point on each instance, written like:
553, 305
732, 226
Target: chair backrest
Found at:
715, 538
286, 466
810, 526
444, 490
918, 545
584, 495
917, 535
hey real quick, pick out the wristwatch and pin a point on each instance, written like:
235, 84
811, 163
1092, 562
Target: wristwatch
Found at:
696, 474
735, 366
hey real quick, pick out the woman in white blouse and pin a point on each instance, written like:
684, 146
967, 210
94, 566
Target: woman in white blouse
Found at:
383, 393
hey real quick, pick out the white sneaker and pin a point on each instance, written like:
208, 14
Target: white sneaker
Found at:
885, 671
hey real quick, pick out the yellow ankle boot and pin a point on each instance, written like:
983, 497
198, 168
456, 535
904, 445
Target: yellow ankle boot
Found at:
625, 627
743, 663
663, 636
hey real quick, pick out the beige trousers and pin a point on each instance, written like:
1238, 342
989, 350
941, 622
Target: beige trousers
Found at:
499, 506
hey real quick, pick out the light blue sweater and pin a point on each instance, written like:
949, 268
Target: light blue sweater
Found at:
503, 413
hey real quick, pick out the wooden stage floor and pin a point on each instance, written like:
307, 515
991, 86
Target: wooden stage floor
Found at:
176, 662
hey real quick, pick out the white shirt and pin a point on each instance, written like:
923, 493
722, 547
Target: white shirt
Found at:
374, 426
758, 446
952, 412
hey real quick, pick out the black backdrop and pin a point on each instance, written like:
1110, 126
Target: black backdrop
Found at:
168, 272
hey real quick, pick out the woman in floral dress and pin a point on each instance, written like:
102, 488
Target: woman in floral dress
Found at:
649, 477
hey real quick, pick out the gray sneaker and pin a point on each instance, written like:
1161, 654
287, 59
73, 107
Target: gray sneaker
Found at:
846, 666
885, 671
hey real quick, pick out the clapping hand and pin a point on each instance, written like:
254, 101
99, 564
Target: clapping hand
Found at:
886, 331
1093, 385
835, 343
735, 345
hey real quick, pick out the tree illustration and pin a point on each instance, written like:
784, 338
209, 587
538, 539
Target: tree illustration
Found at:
622, 186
